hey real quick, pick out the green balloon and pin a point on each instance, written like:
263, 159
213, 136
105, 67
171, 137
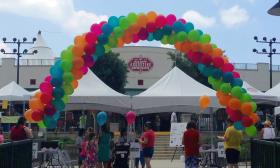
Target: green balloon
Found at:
66, 65
124, 23
41, 124
65, 99
254, 105
172, 39
107, 48
66, 55
164, 40
182, 36
205, 38
211, 80
225, 88
246, 97
217, 84
193, 35
68, 89
251, 131
236, 92
118, 31
68, 77
131, 17
113, 42
214, 45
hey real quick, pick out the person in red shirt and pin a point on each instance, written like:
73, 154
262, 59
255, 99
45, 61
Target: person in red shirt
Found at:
191, 145
20, 131
148, 143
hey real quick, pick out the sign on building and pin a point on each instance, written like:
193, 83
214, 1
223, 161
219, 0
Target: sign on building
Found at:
140, 64
176, 134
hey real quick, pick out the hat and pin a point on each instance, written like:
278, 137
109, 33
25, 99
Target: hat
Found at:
267, 123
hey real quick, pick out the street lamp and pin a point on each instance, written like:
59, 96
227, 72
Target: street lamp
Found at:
275, 10
17, 51
270, 53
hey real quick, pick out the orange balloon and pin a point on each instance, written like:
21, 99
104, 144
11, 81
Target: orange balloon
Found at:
133, 29
78, 63
78, 74
206, 48
234, 104
80, 40
217, 52
224, 99
204, 102
178, 46
186, 47
254, 117
219, 94
247, 108
195, 46
151, 16
120, 42
142, 20
27, 115
127, 38
75, 84
36, 104
225, 59
38, 94
78, 50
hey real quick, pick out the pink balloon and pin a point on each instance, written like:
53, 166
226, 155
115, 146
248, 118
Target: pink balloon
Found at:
46, 98
206, 59
135, 38
102, 23
46, 87
90, 49
48, 78
182, 21
170, 19
151, 27
160, 21
218, 62
91, 37
130, 117
84, 70
236, 74
96, 29
49, 110
228, 67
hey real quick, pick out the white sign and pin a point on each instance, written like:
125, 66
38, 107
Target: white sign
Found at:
35, 150
134, 150
176, 134
221, 150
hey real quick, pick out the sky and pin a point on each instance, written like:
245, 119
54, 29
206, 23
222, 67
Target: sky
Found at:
232, 24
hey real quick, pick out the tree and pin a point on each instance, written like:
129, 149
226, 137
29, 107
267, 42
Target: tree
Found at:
183, 63
112, 71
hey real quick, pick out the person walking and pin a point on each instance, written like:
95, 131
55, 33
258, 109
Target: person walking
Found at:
191, 142
104, 147
232, 144
20, 131
268, 131
148, 143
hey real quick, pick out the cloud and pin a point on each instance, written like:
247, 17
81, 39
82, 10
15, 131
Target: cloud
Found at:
199, 20
60, 12
234, 16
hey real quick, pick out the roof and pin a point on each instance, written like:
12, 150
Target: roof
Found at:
14, 92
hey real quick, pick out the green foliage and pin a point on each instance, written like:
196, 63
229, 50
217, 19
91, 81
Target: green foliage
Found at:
188, 67
112, 71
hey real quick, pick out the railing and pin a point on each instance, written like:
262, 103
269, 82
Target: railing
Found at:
16, 154
245, 66
265, 153
35, 62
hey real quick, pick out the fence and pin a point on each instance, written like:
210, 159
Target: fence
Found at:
16, 154
265, 153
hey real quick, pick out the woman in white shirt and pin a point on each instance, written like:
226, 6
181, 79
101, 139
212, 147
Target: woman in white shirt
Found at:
268, 131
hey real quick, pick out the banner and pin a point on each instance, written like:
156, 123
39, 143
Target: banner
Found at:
176, 134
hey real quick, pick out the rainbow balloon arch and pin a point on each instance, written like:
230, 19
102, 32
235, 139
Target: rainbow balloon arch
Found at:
46, 104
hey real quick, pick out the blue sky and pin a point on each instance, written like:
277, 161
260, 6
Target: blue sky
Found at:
232, 24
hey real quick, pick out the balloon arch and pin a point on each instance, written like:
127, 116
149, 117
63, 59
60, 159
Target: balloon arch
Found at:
46, 104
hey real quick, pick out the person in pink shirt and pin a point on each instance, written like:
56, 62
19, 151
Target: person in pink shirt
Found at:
2, 139
148, 143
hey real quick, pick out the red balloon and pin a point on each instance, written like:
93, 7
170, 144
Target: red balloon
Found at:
90, 49
160, 21
170, 19
46, 98
49, 110
143, 34
206, 59
236, 74
228, 67
48, 78
135, 38
246, 121
151, 27
37, 115
91, 38
218, 61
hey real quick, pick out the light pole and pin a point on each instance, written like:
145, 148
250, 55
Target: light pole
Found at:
17, 51
272, 51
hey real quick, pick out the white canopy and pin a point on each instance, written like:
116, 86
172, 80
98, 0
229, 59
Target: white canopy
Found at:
275, 91
92, 93
257, 95
14, 92
175, 91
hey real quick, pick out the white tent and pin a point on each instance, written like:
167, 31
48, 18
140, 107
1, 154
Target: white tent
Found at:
92, 93
175, 91
259, 96
14, 92
275, 91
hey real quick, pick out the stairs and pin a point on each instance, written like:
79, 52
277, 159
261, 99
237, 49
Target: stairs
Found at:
162, 149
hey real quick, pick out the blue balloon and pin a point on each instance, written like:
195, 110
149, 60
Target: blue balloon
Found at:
178, 26
167, 30
56, 115
95, 57
200, 31
56, 71
107, 29
217, 73
56, 82
58, 104
158, 34
238, 125
150, 37
58, 93
200, 67
102, 39
49, 122
100, 50
188, 27
237, 82
101, 118
228, 77
113, 21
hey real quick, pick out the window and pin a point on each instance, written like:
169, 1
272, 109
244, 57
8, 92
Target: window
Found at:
32, 81
141, 82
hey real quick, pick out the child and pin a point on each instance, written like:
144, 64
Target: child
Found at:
1, 136
91, 150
